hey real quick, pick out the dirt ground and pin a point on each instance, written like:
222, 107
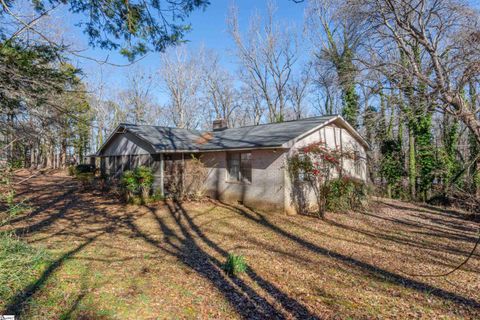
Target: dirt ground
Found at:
164, 261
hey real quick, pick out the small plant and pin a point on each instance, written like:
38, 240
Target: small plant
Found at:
71, 170
137, 184
235, 264
144, 177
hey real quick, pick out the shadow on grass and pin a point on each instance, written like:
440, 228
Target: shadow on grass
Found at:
289, 305
18, 304
181, 241
373, 271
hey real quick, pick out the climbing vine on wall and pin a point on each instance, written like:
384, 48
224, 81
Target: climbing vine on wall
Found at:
319, 168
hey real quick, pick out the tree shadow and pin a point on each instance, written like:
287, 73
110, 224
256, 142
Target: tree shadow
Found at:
243, 298
289, 304
375, 272
18, 304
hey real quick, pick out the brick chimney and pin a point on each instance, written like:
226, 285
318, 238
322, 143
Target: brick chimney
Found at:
219, 125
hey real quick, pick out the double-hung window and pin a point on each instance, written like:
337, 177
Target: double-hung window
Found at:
239, 166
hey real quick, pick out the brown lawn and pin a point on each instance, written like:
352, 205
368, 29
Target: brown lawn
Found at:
113, 261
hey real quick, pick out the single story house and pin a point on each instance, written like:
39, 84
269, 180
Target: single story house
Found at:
247, 165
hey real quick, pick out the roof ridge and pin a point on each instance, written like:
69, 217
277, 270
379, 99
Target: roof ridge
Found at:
163, 127
251, 125
294, 120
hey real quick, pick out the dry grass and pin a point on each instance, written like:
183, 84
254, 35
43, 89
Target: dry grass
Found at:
164, 261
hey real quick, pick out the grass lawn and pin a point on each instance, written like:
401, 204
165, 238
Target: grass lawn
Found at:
115, 261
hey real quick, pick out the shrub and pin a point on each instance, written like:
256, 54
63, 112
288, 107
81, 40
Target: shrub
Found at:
315, 164
20, 264
71, 170
345, 194
129, 183
137, 184
144, 177
188, 182
84, 168
235, 264
85, 173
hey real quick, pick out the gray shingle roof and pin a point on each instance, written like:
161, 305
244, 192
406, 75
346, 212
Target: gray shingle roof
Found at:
260, 136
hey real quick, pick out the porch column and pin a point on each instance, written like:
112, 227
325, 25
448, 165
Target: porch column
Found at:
161, 188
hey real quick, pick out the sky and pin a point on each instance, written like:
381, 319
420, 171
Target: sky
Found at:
208, 30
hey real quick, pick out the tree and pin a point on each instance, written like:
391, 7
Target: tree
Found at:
220, 93
181, 79
337, 40
30, 86
131, 27
267, 56
447, 35
298, 90
137, 100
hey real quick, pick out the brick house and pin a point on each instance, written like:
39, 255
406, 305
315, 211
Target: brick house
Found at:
246, 164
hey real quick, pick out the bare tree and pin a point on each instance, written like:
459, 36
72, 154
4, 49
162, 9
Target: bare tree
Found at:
440, 41
181, 78
267, 55
298, 90
219, 89
137, 99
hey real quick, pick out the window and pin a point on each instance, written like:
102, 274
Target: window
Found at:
239, 166
357, 163
302, 176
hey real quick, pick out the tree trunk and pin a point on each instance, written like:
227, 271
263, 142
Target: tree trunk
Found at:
63, 154
412, 169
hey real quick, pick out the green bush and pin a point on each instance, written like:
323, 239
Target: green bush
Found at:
20, 265
235, 264
84, 168
345, 194
71, 170
85, 173
137, 183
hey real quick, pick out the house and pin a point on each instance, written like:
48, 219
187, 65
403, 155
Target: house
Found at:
246, 164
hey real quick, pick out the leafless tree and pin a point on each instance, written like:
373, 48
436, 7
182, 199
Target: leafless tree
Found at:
298, 91
181, 78
137, 100
220, 94
267, 55
440, 41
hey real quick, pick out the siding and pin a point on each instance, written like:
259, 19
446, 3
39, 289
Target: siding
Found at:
126, 144
265, 192
334, 136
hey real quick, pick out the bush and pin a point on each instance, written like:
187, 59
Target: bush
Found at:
84, 168
345, 194
144, 177
71, 170
20, 264
85, 173
188, 183
235, 264
137, 184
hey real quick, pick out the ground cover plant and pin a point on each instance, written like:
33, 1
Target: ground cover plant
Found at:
235, 264
109, 260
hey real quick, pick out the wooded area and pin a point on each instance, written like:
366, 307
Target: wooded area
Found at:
141, 237
405, 73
